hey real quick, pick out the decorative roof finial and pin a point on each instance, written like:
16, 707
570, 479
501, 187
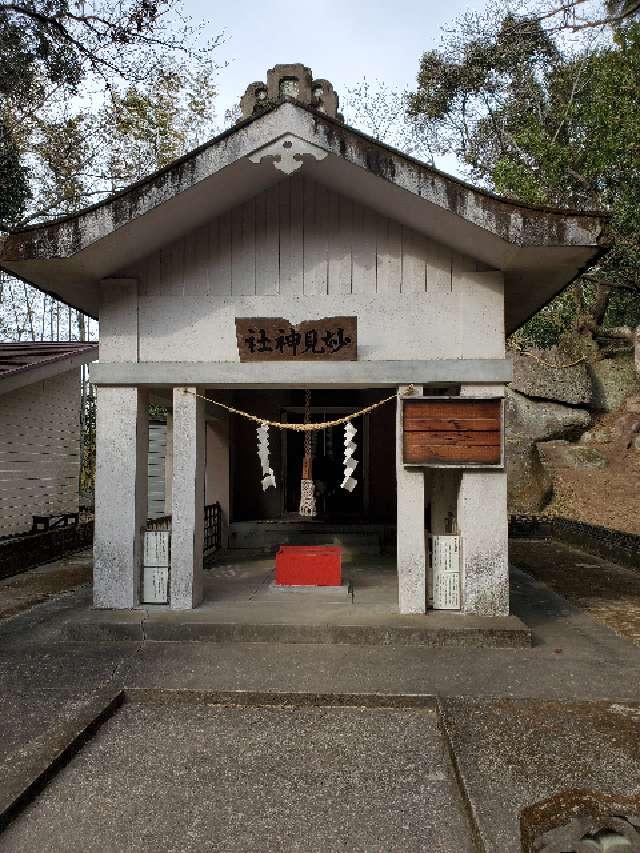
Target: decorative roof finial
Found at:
292, 80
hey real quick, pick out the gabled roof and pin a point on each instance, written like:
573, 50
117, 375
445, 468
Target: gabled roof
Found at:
26, 362
539, 249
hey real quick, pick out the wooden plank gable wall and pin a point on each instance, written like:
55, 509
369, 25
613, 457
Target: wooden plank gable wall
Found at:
39, 451
298, 238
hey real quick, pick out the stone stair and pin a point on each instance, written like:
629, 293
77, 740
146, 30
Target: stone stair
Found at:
266, 537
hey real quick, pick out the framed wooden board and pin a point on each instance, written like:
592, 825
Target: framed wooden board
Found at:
453, 432
277, 339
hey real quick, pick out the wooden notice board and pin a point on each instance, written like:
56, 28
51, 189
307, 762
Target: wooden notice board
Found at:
457, 431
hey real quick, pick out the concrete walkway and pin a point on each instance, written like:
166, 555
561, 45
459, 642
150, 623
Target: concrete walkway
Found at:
243, 604
44, 583
52, 688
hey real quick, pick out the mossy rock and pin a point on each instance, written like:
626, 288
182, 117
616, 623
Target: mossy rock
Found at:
613, 380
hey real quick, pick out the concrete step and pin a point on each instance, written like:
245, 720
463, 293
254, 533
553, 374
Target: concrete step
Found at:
437, 629
267, 538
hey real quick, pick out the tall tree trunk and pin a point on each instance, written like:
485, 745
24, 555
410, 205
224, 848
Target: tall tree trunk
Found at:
603, 296
29, 313
590, 318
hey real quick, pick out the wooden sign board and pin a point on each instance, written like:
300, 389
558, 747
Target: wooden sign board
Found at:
460, 432
276, 339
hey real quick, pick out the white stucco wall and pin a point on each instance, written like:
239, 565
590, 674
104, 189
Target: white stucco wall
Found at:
39, 451
301, 251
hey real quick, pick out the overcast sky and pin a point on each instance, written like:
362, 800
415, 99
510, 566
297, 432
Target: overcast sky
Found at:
340, 41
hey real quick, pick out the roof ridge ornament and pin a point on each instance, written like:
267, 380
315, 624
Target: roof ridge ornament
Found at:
290, 80
287, 153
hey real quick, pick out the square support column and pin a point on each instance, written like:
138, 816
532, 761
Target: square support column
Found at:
217, 480
187, 524
122, 443
411, 555
483, 520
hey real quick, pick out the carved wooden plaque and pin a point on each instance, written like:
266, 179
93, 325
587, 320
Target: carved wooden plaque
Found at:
276, 339
461, 432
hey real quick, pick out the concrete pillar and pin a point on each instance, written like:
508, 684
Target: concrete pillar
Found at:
484, 526
217, 486
187, 524
122, 445
412, 592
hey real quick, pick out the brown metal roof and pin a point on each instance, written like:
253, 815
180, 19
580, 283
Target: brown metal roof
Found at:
26, 355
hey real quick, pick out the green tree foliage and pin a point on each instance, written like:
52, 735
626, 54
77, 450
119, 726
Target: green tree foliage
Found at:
81, 83
550, 124
93, 95
15, 193
156, 123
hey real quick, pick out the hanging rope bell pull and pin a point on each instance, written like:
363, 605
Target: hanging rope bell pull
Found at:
307, 488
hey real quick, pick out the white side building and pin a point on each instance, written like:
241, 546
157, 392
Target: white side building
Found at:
40, 430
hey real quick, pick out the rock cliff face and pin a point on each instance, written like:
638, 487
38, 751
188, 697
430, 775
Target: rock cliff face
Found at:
612, 381
529, 422
543, 374
549, 408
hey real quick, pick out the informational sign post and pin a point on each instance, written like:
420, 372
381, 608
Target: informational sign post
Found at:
456, 432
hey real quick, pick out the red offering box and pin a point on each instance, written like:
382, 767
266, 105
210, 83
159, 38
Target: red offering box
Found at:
306, 565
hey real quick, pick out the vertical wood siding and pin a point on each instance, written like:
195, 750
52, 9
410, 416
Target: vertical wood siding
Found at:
156, 469
299, 238
39, 451
300, 250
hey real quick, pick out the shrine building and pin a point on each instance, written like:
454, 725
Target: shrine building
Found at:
295, 270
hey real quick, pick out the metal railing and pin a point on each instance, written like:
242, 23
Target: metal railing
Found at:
161, 523
212, 528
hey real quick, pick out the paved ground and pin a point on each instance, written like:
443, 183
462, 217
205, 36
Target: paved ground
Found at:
22, 592
194, 778
513, 753
48, 684
242, 603
607, 592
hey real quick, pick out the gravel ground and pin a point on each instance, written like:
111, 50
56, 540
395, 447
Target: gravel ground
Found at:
196, 778
606, 496
607, 592
22, 592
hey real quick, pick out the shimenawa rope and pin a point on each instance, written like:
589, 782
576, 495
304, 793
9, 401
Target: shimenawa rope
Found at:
299, 427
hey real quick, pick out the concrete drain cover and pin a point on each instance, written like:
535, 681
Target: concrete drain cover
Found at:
607, 842
576, 837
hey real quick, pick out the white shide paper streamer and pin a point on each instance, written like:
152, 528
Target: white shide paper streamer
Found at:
268, 477
349, 482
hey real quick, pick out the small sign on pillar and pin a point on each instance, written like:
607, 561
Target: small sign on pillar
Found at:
155, 577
